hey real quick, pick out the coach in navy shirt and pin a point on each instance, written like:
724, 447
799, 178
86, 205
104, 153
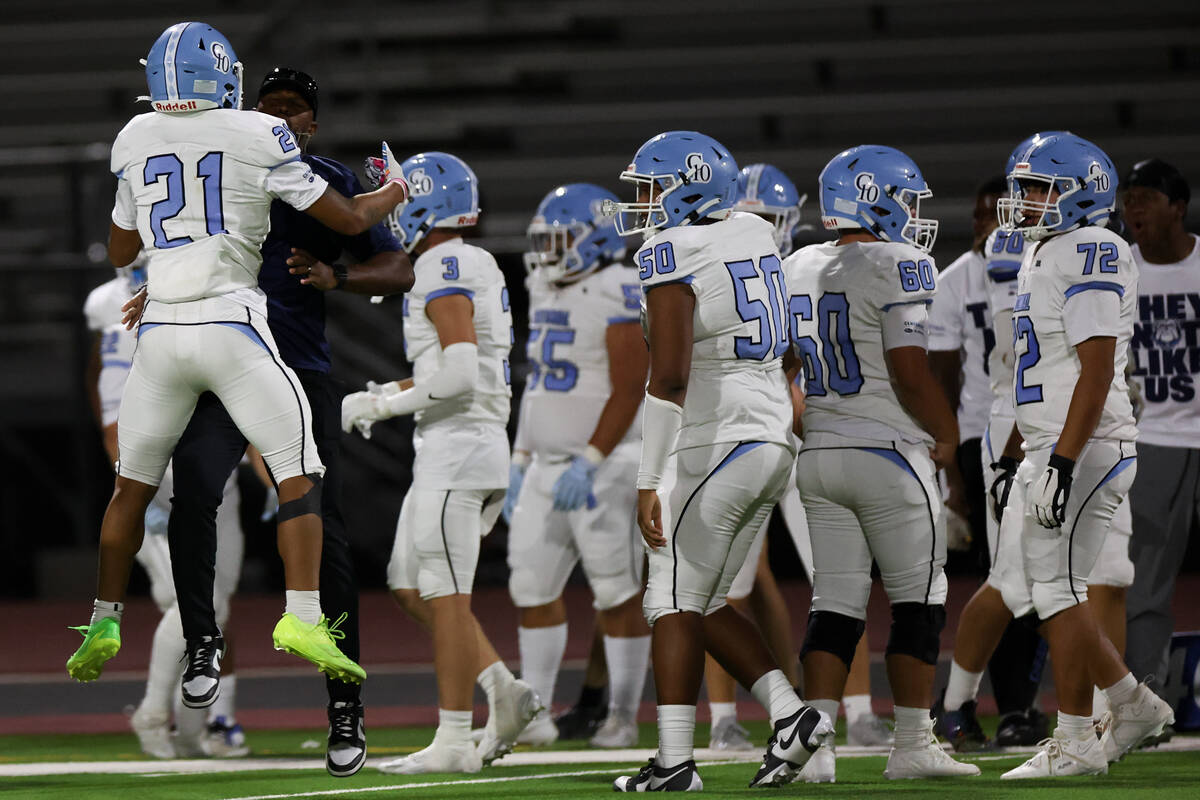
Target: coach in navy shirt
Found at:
300, 263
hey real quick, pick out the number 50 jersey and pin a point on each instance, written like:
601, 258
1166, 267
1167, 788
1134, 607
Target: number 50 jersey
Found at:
839, 295
737, 391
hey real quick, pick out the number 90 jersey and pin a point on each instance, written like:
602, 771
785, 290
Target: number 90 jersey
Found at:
1072, 287
839, 295
198, 188
455, 267
737, 390
568, 384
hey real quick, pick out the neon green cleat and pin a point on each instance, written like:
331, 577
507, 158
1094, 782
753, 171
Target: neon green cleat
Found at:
101, 641
316, 643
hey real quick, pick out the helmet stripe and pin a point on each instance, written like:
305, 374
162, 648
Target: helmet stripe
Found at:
752, 181
169, 61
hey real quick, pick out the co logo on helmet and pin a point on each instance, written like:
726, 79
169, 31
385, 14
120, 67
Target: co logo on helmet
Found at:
698, 170
419, 182
868, 192
1097, 173
220, 57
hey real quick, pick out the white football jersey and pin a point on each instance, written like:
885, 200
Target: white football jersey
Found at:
198, 188
959, 321
1165, 349
839, 294
737, 391
447, 434
1003, 252
1071, 287
568, 384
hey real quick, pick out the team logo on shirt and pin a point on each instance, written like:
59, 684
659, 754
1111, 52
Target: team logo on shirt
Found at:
698, 170
1168, 333
419, 182
868, 190
220, 57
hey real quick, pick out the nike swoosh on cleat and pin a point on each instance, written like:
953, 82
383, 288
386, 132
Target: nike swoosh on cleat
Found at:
661, 780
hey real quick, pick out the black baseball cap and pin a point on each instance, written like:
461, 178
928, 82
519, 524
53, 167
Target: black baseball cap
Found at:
287, 78
1154, 173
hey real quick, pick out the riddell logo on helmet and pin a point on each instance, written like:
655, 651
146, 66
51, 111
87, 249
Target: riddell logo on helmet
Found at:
467, 219
175, 105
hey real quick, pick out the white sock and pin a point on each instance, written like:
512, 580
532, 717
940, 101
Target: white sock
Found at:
828, 707
493, 677
1078, 728
226, 701
191, 724
720, 711
857, 706
305, 605
1099, 702
776, 695
912, 727
166, 665
962, 688
627, 657
453, 727
1122, 691
103, 608
676, 734
541, 656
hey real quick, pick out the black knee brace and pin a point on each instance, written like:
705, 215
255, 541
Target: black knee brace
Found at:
307, 503
834, 633
916, 629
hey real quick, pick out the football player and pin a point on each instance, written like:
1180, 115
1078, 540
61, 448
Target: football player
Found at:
457, 334
875, 425
1072, 322
195, 179
717, 405
576, 446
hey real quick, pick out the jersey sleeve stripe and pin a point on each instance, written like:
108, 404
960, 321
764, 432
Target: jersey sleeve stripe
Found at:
282, 163
1003, 269
436, 293
619, 320
1103, 286
925, 301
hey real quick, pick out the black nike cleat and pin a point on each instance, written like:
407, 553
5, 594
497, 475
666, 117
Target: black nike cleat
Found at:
792, 744
653, 778
961, 728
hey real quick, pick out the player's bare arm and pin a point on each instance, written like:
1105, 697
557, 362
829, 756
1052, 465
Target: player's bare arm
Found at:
921, 396
628, 362
1091, 391
353, 215
384, 273
123, 245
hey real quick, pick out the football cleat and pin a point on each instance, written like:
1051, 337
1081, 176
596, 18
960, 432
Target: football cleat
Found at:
960, 728
821, 768
653, 778
868, 731
315, 643
619, 730
1062, 757
1144, 717
581, 721
346, 750
101, 641
1022, 729
153, 733
728, 735
792, 743
437, 757
226, 739
541, 731
926, 761
201, 684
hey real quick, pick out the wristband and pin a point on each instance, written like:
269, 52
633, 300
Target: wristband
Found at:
592, 455
661, 420
520, 458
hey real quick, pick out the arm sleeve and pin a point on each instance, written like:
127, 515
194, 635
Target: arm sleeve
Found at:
905, 325
661, 420
294, 183
124, 213
521, 441
457, 375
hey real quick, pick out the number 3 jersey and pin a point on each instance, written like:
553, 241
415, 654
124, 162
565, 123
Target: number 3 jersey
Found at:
197, 187
461, 443
1071, 287
736, 391
839, 296
568, 384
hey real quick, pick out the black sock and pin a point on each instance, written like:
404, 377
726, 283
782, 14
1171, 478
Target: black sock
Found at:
591, 696
1015, 668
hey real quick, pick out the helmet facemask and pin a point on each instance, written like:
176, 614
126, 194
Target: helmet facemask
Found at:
920, 232
554, 250
1015, 211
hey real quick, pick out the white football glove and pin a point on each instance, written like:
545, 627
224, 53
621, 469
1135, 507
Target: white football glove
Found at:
361, 410
384, 169
1049, 494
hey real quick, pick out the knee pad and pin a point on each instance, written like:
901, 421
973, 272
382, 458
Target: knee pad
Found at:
916, 631
834, 633
307, 503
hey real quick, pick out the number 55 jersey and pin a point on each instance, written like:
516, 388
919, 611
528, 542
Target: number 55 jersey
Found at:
840, 295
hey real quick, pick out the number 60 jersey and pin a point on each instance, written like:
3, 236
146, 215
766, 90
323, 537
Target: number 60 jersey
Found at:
839, 297
198, 188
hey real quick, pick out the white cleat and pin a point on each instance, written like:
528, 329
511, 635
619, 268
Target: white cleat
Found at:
1060, 757
438, 757
1134, 722
821, 768
792, 744
618, 730
516, 706
153, 733
728, 735
927, 761
869, 731
541, 731
653, 778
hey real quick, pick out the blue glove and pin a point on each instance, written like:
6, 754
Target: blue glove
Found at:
516, 477
574, 487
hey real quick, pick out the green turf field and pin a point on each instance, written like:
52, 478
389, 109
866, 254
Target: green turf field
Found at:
1145, 774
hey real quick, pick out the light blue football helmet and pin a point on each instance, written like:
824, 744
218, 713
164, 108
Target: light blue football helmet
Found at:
682, 177
570, 236
444, 194
764, 190
1076, 179
192, 67
878, 189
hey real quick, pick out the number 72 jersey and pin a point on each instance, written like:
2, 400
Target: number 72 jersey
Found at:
1071, 287
839, 295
